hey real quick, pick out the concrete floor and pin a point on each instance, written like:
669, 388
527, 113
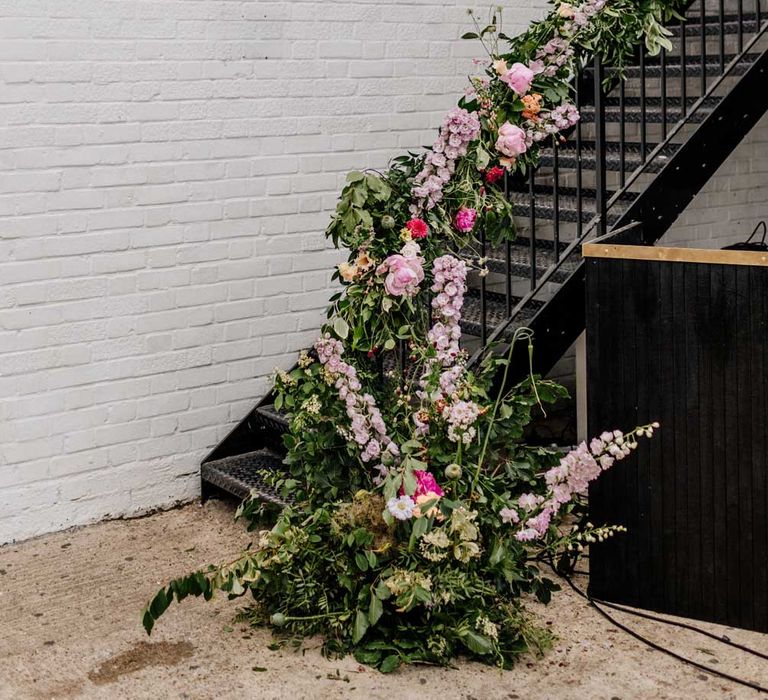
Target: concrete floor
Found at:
70, 628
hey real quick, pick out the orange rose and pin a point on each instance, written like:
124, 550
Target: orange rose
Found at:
532, 104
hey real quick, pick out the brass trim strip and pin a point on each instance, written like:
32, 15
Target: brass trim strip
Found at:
661, 254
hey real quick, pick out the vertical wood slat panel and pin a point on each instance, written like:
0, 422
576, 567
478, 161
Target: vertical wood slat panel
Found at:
683, 532
686, 344
759, 414
707, 523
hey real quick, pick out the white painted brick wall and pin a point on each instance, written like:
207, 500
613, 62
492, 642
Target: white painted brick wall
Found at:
166, 170
733, 201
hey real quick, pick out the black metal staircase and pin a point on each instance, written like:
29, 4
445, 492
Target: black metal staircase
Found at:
640, 153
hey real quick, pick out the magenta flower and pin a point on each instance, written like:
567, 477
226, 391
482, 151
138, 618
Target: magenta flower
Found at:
519, 78
511, 141
404, 275
426, 484
465, 219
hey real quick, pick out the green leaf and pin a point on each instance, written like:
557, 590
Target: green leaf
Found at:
477, 643
361, 626
390, 663
470, 35
340, 327
389, 344
375, 609
362, 561
420, 526
159, 603
383, 592
355, 176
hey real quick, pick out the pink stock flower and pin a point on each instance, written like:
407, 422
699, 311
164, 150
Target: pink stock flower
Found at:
403, 275
519, 78
511, 141
465, 219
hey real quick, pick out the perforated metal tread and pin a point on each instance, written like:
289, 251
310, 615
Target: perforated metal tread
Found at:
520, 259
568, 156
712, 25
242, 475
566, 202
495, 312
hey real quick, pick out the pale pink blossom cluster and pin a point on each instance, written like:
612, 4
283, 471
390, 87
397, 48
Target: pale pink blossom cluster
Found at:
459, 129
560, 118
448, 287
460, 417
366, 424
578, 16
571, 477
556, 53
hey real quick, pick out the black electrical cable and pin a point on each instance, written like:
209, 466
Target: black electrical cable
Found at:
595, 604
718, 638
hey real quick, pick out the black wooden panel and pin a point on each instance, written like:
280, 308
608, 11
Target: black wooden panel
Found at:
684, 344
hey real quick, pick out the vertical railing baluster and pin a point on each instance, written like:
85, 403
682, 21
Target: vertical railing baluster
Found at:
683, 69
703, 46
532, 225
508, 258
643, 130
740, 24
758, 18
721, 18
556, 195
578, 160
622, 134
663, 90
600, 202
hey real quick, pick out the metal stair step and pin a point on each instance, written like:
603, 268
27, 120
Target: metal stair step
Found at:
568, 156
693, 66
567, 204
653, 114
495, 312
712, 25
271, 419
242, 475
520, 259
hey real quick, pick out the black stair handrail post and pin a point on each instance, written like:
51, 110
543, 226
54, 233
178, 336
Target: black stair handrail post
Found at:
600, 169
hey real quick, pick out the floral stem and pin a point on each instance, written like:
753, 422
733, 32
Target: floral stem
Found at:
519, 333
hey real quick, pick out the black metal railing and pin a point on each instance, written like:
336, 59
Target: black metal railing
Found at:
627, 133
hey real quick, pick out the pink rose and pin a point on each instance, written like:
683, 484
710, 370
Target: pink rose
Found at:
403, 275
519, 77
511, 141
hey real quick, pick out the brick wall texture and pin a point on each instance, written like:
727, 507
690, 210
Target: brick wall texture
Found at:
167, 168
732, 202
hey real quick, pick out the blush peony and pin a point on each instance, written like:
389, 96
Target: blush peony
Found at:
403, 275
519, 78
511, 141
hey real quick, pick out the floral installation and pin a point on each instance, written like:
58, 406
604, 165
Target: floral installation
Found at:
419, 517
